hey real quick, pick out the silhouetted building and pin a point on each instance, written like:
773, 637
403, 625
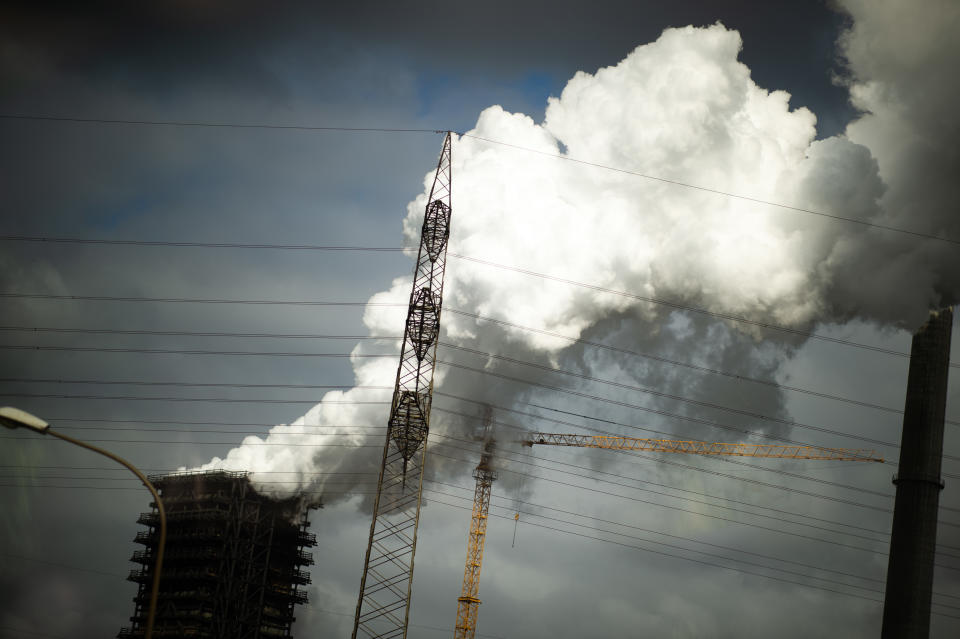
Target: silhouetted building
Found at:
233, 561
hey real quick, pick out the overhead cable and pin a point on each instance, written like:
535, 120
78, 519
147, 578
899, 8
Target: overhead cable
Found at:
696, 367
558, 156
747, 198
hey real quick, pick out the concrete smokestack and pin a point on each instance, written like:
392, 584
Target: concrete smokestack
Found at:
906, 606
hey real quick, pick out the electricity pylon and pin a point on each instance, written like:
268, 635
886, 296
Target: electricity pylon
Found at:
468, 604
383, 608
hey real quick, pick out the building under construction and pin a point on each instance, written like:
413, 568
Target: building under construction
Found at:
233, 561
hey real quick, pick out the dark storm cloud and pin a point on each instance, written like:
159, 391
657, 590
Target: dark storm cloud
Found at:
155, 47
147, 46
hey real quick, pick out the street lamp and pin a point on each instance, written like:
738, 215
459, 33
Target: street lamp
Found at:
16, 418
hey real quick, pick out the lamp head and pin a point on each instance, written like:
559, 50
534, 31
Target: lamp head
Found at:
15, 418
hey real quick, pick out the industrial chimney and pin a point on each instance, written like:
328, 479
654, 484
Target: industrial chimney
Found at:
906, 606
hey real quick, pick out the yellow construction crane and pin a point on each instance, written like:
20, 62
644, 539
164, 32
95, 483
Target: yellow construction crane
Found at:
468, 604
779, 451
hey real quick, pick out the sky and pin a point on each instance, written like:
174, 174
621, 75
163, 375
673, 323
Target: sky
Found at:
717, 221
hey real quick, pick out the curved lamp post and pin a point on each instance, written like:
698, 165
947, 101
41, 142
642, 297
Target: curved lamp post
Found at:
16, 418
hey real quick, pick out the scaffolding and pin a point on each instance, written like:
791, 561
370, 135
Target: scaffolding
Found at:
233, 563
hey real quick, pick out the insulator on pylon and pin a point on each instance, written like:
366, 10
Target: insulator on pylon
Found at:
423, 322
407, 423
436, 228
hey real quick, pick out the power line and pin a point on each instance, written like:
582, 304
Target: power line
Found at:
186, 300
718, 191
133, 382
152, 471
684, 307
663, 553
120, 331
594, 478
664, 413
613, 483
413, 625
577, 524
179, 351
214, 125
734, 461
744, 431
194, 431
598, 530
501, 424
290, 483
501, 376
193, 300
498, 375
686, 558
19, 632
656, 393
204, 443
292, 386
687, 499
700, 552
230, 245
527, 462
224, 400
251, 400
566, 464
311, 401
677, 508
231, 125
656, 532
716, 472
61, 565
778, 472
772, 384
570, 465
704, 369
71, 419
636, 499
758, 482
696, 367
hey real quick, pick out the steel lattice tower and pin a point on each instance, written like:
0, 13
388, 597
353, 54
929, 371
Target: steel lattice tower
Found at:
468, 604
383, 608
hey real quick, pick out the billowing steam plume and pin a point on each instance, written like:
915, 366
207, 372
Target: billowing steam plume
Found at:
685, 110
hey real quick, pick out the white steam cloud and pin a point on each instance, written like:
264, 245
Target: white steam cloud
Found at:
683, 109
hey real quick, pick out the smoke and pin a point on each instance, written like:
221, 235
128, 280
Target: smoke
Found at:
898, 55
683, 109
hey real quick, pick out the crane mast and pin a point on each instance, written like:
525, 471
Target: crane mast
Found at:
468, 604
383, 607
778, 451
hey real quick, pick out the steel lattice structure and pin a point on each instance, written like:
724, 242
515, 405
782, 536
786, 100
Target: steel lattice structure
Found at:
702, 448
383, 608
234, 562
468, 604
